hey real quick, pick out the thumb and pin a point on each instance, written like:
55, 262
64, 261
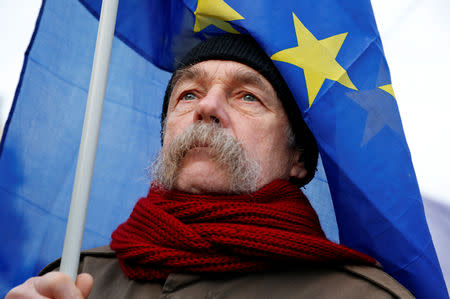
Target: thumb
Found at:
84, 283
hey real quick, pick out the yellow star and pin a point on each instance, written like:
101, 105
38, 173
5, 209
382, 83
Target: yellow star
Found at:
317, 58
388, 88
217, 13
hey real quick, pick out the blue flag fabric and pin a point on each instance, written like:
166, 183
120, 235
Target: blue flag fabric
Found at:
40, 146
330, 54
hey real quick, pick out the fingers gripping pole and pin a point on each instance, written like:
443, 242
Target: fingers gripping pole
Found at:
89, 138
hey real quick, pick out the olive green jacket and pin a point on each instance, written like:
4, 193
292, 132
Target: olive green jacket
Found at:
348, 281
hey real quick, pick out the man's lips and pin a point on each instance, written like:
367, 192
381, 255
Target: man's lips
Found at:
198, 153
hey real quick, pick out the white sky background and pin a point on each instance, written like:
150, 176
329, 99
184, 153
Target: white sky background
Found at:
17, 20
416, 39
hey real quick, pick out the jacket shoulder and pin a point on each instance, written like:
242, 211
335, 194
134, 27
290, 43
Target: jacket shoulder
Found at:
378, 277
103, 251
109, 279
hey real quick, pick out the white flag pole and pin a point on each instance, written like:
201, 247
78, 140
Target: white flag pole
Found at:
88, 146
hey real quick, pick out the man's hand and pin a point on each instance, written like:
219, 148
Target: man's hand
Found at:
54, 285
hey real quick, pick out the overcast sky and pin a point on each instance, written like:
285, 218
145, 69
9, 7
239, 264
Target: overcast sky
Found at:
416, 38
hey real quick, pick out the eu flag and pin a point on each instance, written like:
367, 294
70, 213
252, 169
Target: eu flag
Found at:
329, 52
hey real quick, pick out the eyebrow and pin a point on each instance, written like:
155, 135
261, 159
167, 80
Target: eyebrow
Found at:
197, 74
192, 73
249, 78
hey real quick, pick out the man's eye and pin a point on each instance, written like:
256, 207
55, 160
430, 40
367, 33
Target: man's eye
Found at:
189, 97
249, 98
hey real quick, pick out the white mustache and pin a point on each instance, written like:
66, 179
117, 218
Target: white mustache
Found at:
224, 149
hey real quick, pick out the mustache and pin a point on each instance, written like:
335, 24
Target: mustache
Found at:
222, 146
224, 149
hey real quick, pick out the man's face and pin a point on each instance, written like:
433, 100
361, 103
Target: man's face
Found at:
244, 104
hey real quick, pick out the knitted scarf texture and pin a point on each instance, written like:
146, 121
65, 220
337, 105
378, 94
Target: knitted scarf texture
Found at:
173, 232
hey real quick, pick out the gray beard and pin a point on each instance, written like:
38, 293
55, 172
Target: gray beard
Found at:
226, 151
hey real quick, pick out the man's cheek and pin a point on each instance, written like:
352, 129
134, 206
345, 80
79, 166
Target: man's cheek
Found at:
169, 135
175, 128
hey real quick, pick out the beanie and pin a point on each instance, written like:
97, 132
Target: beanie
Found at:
244, 49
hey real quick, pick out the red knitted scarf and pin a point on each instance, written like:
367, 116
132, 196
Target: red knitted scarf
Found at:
172, 231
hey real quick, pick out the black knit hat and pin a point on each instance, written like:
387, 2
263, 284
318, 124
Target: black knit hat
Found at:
244, 49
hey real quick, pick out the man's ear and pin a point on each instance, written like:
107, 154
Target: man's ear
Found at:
298, 169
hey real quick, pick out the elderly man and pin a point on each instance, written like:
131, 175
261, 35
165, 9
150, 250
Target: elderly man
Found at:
224, 217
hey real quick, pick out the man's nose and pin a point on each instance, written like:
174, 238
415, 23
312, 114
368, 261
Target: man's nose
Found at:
212, 108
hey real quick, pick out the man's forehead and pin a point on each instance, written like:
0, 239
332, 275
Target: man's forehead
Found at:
234, 72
